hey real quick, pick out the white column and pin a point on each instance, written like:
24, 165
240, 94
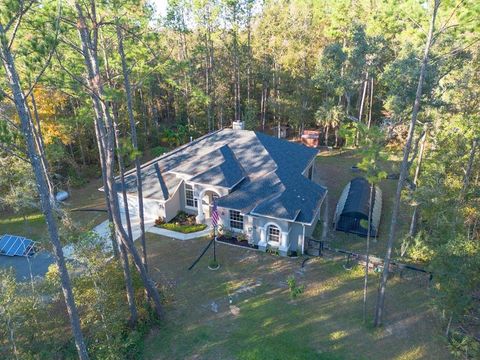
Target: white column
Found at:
283, 243
201, 216
262, 244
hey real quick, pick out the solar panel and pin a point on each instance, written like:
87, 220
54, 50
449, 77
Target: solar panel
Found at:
11, 245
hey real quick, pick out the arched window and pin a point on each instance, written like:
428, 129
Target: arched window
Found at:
273, 233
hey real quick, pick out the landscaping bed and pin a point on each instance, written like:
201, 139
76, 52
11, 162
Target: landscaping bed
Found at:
183, 223
235, 241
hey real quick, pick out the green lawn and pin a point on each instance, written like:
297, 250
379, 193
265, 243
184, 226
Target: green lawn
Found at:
263, 322
33, 226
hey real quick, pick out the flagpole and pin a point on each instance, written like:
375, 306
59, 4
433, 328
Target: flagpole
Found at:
214, 218
214, 241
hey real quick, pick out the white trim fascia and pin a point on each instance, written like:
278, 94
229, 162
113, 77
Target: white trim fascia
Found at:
276, 218
205, 184
238, 182
218, 186
310, 163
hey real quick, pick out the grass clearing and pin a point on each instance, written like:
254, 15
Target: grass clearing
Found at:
264, 322
333, 170
32, 225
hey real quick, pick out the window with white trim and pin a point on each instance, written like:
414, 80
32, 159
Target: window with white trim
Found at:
236, 220
189, 199
273, 234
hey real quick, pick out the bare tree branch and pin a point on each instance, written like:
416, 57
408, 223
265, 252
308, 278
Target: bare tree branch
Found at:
3, 93
12, 152
72, 75
10, 122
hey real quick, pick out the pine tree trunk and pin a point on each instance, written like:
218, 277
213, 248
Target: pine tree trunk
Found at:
416, 210
106, 140
123, 252
101, 154
379, 310
133, 134
370, 107
45, 197
367, 260
362, 102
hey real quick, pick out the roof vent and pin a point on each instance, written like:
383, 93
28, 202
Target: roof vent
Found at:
238, 125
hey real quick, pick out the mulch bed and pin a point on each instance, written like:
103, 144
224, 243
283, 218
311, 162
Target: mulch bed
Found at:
234, 241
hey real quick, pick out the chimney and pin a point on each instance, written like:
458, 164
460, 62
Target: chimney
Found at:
238, 125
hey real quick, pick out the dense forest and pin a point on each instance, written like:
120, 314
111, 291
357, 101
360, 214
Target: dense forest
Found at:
87, 88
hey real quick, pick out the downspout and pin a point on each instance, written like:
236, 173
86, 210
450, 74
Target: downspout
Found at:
303, 241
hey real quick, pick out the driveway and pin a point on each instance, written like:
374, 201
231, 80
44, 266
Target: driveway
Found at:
27, 267
103, 232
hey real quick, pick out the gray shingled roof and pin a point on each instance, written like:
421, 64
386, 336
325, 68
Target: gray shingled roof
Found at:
266, 173
156, 184
226, 174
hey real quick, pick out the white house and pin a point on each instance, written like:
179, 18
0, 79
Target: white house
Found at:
262, 186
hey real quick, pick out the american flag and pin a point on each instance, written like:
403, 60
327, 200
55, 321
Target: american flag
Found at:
215, 216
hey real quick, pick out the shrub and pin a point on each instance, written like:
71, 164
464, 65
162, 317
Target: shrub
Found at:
228, 234
158, 151
185, 229
160, 221
242, 237
273, 251
295, 290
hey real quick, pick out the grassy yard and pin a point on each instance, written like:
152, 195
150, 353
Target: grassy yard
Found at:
33, 226
263, 322
333, 170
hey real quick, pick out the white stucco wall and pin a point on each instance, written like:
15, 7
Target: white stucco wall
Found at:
173, 204
152, 209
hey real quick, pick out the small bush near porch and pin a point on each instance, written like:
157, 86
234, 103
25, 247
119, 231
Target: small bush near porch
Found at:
183, 223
